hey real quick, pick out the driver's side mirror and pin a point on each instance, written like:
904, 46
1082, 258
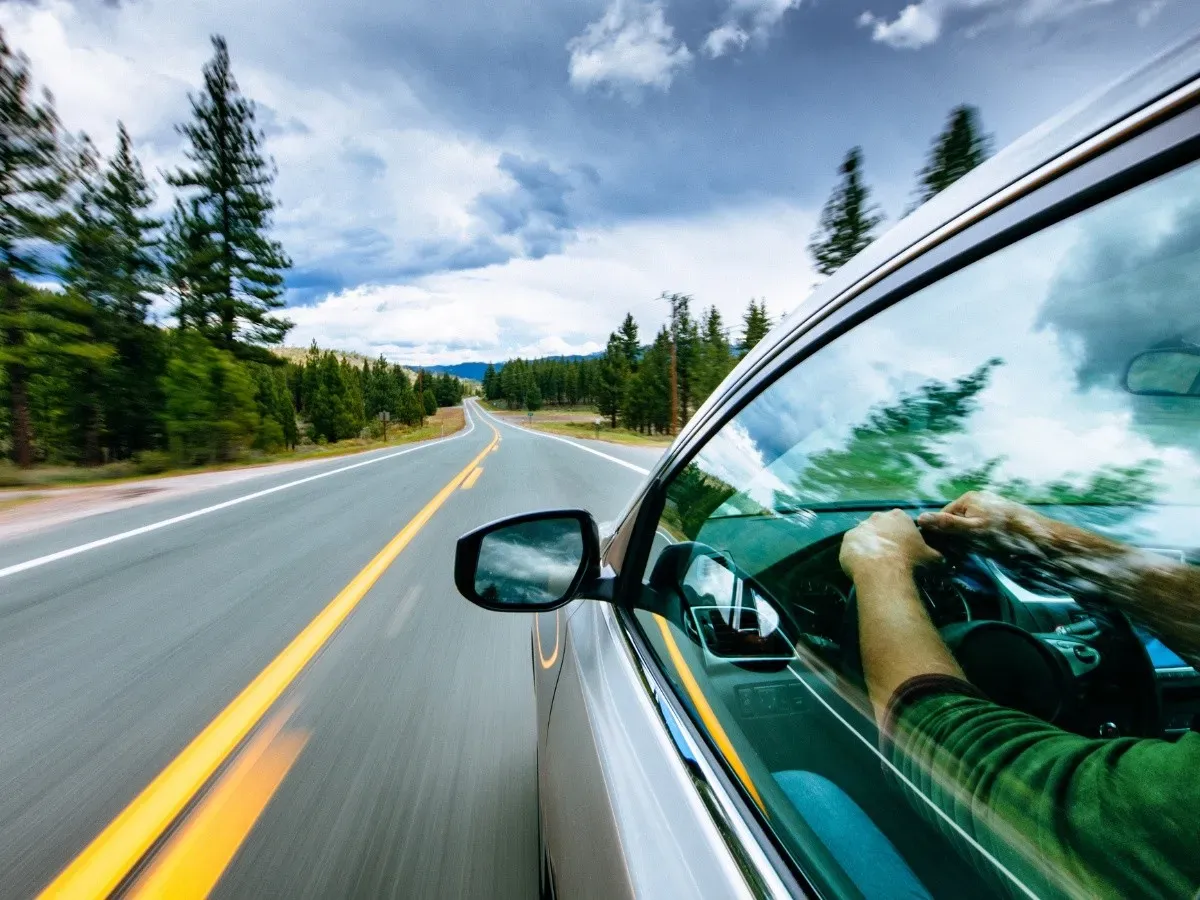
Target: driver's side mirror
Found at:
528, 563
1171, 372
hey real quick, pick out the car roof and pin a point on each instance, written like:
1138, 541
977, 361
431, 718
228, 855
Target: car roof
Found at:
1050, 140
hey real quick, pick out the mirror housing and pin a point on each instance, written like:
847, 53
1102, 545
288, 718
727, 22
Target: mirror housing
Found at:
722, 607
1166, 372
534, 562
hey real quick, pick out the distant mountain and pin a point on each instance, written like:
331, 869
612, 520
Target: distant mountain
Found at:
473, 371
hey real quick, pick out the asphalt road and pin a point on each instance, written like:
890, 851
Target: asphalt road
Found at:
402, 762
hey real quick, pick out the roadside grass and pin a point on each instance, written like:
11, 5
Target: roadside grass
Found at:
12, 502
587, 431
578, 422
447, 421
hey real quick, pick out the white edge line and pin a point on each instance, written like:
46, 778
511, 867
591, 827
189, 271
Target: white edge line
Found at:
555, 437
217, 507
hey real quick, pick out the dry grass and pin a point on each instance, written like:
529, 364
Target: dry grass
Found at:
13, 502
587, 431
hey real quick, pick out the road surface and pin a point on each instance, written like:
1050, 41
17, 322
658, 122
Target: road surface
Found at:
271, 688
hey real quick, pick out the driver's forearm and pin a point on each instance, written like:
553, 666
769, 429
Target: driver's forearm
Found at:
1161, 593
897, 639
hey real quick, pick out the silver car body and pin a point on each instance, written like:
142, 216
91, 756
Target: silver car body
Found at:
633, 802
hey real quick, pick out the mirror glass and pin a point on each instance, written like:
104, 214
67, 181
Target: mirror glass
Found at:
1170, 372
532, 564
734, 620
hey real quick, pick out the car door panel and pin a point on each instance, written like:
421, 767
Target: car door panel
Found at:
623, 818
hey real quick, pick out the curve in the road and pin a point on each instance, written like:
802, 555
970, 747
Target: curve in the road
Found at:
554, 437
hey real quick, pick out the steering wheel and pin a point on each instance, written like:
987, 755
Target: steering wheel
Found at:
1096, 680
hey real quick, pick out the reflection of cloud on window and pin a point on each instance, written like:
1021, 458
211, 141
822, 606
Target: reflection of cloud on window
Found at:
734, 457
1132, 281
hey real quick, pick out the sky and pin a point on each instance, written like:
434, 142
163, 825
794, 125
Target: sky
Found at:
473, 181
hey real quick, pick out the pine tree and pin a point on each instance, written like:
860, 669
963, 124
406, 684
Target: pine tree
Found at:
961, 146
755, 325
33, 183
848, 220
228, 216
715, 358
491, 385
628, 333
684, 340
614, 374
192, 267
90, 254
132, 398
412, 408
648, 401
533, 396
211, 412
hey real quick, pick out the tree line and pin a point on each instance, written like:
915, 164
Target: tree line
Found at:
656, 388
630, 384
87, 375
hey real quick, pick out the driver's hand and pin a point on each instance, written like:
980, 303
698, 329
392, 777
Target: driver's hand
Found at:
887, 541
984, 516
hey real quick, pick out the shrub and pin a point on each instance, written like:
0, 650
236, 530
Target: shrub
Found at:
152, 462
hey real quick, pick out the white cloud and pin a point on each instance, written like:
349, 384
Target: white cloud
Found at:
921, 23
746, 20
568, 303
628, 48
367, 174
724, 38
917, 25
1149, 12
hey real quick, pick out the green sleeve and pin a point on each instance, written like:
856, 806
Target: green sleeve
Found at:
1060, 812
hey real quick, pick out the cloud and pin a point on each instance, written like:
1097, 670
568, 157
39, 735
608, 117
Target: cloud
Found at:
918, 25
921, 23
724, 38
1149, 12
629, 48
533, 211
1130, 282
568, 303
745, 20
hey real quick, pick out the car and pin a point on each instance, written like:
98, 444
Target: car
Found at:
705, 728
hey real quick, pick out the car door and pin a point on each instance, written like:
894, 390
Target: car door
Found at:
1005, 369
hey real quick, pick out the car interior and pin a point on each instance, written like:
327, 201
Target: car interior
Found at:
776, 654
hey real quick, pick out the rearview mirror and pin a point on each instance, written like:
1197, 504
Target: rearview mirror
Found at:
528, 563
729, 615
1173, 372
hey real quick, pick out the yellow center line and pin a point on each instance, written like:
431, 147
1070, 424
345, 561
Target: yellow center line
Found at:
715, 729
96, 871
472, 478
191, 863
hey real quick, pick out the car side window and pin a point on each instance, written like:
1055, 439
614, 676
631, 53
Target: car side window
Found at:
1047, 398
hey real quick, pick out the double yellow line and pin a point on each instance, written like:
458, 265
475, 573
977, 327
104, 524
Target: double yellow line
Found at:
113, 854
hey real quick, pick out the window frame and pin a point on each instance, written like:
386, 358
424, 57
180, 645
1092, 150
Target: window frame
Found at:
1150, 151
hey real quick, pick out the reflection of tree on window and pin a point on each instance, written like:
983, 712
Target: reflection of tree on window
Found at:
694, 496
890, 454
900, 453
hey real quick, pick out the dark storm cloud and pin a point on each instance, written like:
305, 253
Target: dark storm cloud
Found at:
767, 121
534, 210
1131, 283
